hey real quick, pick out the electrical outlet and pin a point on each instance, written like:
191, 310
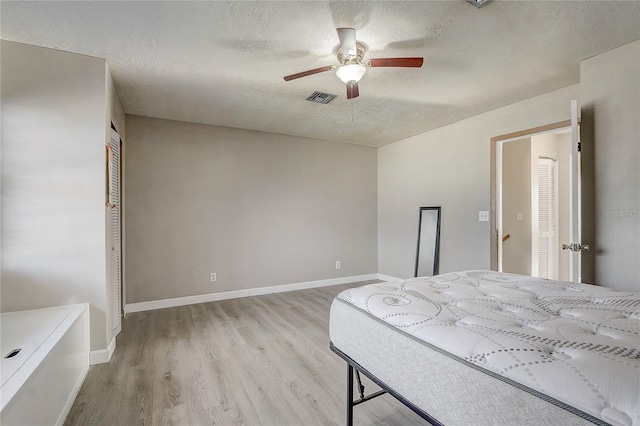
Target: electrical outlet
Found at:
213, 277
483, 216
337, 264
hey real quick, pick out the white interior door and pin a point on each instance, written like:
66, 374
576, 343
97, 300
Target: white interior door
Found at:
575, 245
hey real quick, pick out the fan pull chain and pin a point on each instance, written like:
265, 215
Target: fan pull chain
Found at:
351, 110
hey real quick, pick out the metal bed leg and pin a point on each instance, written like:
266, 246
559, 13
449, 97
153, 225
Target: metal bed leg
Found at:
349, 395
354, 367
360, 386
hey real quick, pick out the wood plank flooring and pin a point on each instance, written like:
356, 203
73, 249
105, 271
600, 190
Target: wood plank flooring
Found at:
261, 360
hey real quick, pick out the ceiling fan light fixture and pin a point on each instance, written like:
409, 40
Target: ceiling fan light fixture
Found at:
351, 73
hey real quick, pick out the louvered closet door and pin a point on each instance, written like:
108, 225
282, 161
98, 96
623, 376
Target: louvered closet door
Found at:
114, 204
547, 218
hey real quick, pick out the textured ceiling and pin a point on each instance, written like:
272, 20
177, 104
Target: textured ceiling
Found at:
222, 63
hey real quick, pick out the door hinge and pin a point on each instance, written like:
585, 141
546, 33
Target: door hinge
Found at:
579, 146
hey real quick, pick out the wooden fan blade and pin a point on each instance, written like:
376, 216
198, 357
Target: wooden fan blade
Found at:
396, 62
347, 38
352, 91
309, 72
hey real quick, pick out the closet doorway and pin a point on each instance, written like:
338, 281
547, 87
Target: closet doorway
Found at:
114, 229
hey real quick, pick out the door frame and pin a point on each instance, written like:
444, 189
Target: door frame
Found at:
493, 229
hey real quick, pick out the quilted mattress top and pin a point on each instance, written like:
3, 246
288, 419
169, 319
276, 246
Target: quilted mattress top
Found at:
577, 343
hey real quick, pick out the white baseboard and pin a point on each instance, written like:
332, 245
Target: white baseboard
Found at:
102, 356
234, 294
384, 277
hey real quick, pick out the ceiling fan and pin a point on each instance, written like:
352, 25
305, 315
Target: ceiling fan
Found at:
352, 67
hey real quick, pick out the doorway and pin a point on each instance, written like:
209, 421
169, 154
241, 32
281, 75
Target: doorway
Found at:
533, 212
579, 190
526, 242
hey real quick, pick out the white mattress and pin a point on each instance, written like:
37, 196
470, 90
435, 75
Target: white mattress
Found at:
576, 343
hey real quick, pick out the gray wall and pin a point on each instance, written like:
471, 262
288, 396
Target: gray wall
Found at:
258, 209
610, 97
516, 198
53, 182
450, 167
264, 209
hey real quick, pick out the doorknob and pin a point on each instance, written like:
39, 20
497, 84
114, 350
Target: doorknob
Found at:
576, 247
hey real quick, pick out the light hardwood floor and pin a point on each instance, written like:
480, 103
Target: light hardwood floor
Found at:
261, 360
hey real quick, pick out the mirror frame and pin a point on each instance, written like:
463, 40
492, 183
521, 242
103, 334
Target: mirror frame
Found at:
436, 256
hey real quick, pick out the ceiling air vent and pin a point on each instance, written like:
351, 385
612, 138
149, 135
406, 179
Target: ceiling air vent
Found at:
321, 98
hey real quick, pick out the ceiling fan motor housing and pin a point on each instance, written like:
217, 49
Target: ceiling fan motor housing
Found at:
351, 69
346, 59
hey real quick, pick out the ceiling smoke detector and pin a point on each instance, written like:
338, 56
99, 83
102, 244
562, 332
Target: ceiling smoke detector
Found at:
321, 98
478, 3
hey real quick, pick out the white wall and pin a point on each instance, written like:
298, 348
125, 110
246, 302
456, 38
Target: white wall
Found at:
257, 209
610, 95
450, 167
53, 182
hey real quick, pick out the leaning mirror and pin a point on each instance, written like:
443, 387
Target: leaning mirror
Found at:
427, 257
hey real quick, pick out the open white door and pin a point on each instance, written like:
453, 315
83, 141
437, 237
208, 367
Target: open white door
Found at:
575, 246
